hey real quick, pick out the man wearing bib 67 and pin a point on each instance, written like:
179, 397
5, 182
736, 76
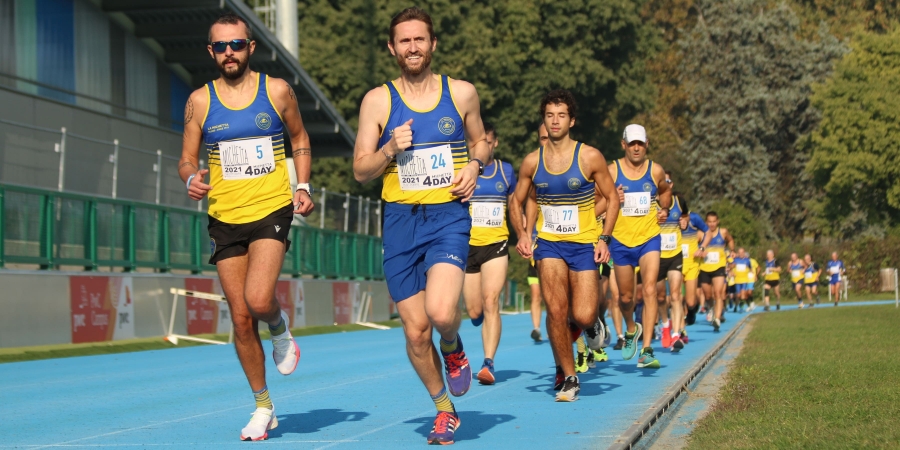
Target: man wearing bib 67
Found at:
419, 131
646, 198
241, 119
565, 174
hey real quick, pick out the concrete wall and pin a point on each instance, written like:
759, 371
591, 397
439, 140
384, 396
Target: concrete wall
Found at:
37, 307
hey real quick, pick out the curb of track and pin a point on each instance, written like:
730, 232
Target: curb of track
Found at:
642, 427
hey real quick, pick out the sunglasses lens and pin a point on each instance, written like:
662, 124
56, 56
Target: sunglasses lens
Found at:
219, 47
238, 44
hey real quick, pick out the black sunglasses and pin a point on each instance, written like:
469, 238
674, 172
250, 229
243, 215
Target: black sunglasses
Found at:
236, 45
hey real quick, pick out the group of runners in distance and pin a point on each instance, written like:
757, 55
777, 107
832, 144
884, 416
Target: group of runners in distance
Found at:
588, 227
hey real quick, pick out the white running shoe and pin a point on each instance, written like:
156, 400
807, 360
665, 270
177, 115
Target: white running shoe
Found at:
596, 342
709, 316
261, 422
286, 352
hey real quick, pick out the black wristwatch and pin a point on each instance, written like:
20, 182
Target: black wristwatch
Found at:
480, 165
605, 238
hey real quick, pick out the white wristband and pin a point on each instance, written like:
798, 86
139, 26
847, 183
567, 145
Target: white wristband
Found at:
190, 178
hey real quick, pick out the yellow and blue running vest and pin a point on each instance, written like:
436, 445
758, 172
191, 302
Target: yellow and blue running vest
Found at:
771, 273
796, 272
488, 204
715, 254
245, 148
422, 174
690, 239
637, 216
565, 202
670, 232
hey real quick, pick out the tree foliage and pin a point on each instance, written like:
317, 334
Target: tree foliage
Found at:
749, 75
855, 153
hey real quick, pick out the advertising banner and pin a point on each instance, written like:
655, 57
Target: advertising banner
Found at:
102, 308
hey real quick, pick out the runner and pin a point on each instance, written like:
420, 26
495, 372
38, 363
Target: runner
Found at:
712, 269
773, 279
671, 264
836, 272
488, 252
251, 206
415, 131
796, 267
811, 279
565, 174
693, 230
740, 268
645, 198
533, 281
751, 284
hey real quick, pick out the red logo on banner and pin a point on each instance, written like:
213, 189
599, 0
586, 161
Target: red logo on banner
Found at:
343, 304
201, 313
285, 299
93, 315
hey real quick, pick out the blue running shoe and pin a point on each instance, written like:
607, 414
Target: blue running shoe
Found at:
478, 320
445, 425
630, 347
459, 374
486, 374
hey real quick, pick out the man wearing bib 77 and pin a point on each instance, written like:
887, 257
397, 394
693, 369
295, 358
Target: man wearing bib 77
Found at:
241, 119
419, 131
646, 198
565, 174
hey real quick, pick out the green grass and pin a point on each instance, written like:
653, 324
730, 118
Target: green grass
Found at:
157, 343
819, 378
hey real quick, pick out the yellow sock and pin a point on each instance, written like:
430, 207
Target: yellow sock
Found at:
449, 347
580, 344
262, 398
442, 402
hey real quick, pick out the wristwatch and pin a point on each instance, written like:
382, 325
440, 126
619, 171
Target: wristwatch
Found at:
305, 187
605, 238
480, 165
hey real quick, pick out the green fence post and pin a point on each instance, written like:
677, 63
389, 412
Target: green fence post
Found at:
2, 226
196, 246
164, 241
90, 238
47, 219
130, 251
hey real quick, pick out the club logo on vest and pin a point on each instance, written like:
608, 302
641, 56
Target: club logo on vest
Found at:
574, 183
675, 215
446, 126
263, 121
647, 187
499, 186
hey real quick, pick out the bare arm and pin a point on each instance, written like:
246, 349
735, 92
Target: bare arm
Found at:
523, 187
728, 240
594, 160
189, 163
369, 161
663, 189
286, 102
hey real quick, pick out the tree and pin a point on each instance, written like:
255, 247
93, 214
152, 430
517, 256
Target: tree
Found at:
855, 153
749, 75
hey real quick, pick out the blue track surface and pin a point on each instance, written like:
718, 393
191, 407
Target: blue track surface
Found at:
350, 390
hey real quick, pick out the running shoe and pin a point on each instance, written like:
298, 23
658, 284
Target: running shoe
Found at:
600, 356
560, 379
285, 351
595, 335
684, 337
709, 316
835, 303
478, 320
766, 309
716, 325
751, 307
619, 344
569, 391
677, 345
590, 359
629, 349
812, 304
536, 335
722, 319
691, 316
647, 360
445, 425
800, 305
581, 365
656, 333
486, 374
607, 335
261, 421
777, 307
666, 336
459, 374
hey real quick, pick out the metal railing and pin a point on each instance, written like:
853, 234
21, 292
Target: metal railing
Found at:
52, 229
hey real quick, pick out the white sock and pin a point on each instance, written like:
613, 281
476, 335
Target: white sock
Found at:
665, 324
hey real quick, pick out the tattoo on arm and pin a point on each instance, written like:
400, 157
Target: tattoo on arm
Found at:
187, 163
188, 111
302, 152
291, 93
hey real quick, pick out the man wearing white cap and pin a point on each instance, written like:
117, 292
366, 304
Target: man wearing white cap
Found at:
645, 197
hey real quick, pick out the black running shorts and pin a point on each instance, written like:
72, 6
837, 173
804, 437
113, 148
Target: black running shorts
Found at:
707, 277
480, 254
773, 283
227, 240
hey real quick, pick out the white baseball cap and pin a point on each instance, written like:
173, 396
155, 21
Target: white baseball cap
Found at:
634, 132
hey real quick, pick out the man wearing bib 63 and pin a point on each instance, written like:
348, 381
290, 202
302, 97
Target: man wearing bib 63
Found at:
241, 119
418, 131
488, 253
646, 198
564, 174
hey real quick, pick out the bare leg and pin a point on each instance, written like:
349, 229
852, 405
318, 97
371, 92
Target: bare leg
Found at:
613, 304
649, 270
536, 306
492, 281
675, 300
625, 281
554, 274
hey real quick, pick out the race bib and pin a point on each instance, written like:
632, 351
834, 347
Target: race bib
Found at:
834, 270
487, 214
810, 276
246, 158
712, 258
428, 168
560, 219
636, 204
740, 267
768, 270
685, 251
751, 276
669, 241
796, 274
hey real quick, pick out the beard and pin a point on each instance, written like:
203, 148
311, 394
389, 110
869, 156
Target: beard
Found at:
236, 72
414, 71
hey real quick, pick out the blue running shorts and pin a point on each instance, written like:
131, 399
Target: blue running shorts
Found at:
631, 256
579, 257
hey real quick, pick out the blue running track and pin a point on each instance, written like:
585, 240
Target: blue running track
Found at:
353, 390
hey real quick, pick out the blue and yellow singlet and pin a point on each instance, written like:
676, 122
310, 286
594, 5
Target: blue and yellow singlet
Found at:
771, 273
422, 173
637, 217
690, 241
488, 203
715, 254
796, 272
670, 232
565, 202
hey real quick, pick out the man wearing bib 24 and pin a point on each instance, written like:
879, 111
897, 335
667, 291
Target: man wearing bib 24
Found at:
646, 197
488, 254
418, 131
564, 174
241, 119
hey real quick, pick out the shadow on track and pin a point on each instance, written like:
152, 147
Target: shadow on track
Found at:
314, 421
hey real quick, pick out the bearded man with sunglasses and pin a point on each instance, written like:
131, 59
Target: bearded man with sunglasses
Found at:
242, 120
